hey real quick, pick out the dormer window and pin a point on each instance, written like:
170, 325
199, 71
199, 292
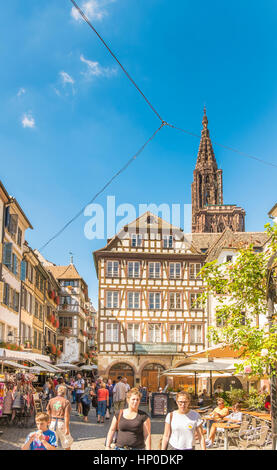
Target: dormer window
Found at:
136, 240
229, 258
168, 241
149, 219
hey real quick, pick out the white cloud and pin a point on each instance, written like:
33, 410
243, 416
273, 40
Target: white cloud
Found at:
21, 91
94, 69
66, 78
93, 9
28, 121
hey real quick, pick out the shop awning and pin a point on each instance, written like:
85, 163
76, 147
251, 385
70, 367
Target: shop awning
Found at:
16, 365
47, 367
23, 355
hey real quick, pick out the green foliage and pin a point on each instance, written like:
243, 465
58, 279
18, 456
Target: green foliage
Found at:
241, 290
236, 395
256, 400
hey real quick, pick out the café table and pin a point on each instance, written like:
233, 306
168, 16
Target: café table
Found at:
227, 427
208, 419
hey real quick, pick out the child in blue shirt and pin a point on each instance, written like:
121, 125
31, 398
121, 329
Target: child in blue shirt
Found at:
43, 438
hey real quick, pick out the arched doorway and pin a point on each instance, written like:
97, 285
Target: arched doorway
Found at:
151, 377
124, 370
227, 382
185, 382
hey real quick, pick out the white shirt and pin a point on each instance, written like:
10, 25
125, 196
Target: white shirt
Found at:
236, 416
183, 427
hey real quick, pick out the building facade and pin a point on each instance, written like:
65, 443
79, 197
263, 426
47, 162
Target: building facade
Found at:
209, 214
15, 223
75, 314
148, 315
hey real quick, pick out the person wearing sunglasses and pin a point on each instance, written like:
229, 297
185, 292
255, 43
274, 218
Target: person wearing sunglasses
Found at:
181, 426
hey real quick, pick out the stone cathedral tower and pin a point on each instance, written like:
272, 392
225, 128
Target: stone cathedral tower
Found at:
209, 214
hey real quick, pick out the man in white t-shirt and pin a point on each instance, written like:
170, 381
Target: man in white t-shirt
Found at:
181, 425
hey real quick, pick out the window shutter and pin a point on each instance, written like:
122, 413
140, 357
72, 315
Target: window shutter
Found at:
13, 223
1, 292
7, 255
23, 271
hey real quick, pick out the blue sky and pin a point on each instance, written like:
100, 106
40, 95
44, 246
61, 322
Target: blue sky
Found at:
69, 118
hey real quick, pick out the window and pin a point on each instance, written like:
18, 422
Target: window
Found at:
19, 237
14, 264
2, 331
16, 301
195, 303
136, 240
175, 270
37, 279
174, 300
6, 294
133, 332
13, 222
23, 270
7, 255
70, 283
41, 284
154, 270
112, 332
168, 241
229, 258
39, 340
65, 322
196, 334
112, 299
257, 249
155, 333
35, 338
175, 333
36, 309
133, 299
194, 269
112, 268
154, 300
133, 269
41, 312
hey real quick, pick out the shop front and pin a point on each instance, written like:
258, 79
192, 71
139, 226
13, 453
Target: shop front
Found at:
124, 370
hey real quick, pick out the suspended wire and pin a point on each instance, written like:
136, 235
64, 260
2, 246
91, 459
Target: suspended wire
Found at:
244, 154
104, 187
114, 56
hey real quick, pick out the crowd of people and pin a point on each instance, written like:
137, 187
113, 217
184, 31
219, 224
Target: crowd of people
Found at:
130, 427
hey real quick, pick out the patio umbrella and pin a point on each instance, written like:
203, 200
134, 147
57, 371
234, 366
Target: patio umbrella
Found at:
200, 367
88, 367
67, 366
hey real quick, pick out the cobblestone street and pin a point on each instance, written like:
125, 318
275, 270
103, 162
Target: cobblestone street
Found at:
87, 436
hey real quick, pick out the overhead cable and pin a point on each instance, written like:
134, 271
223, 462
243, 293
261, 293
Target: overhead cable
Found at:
244, 154
116, 59
80, 212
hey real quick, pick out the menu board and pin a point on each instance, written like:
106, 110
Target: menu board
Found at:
143, 391
159, 404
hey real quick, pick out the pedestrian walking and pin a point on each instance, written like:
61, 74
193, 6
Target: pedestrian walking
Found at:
59, 409
119, 394
181, 425
103, 402
86, 400
43, 438
48, 392
109, 387
79, 387
132, 424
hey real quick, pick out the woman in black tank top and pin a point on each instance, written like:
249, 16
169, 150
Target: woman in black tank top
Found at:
132, 425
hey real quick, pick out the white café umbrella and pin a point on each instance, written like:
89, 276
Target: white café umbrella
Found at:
201, 367
68, 366
88, 367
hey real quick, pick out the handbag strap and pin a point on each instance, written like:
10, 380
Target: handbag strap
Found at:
118, 419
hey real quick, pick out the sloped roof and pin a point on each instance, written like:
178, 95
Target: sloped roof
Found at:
236, 240
64, 272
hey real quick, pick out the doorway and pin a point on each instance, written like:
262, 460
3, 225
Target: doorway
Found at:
151, 377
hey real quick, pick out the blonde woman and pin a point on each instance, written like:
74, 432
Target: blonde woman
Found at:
181, 425
132, 424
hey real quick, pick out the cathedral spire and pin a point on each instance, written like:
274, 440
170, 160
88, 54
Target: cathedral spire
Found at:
206, 153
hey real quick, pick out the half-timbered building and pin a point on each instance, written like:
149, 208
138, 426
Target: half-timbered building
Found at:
149, 317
